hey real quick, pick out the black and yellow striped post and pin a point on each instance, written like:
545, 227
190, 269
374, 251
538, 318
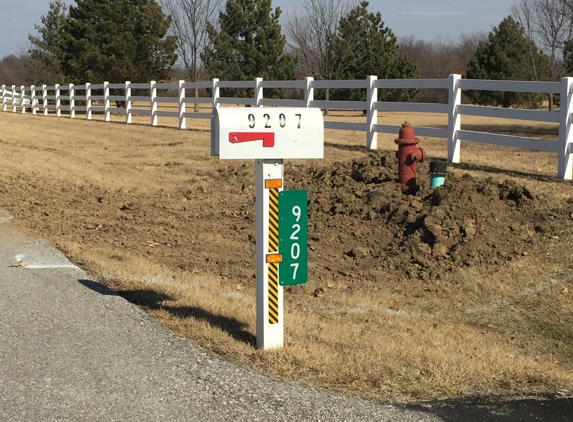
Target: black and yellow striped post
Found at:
270, 326
273, 250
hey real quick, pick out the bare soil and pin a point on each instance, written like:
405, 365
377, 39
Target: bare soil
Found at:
363, 229
114, 196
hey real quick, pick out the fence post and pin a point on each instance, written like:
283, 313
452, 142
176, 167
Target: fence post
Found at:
3, 97
258, 92
182, 106
88, 101
153, 103
128, 102
13, 98
72, 102
106, 102
308, 91
33, 98
45, 99
454, 119
372, 114
58, 102
564, 159
215, 92
22, 95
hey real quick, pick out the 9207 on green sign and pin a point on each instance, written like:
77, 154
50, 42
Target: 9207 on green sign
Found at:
293, 237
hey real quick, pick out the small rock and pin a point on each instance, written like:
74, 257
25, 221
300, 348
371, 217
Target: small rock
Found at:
425, 248
359, 252
417, 205
319, 293
438, 212
469, 228
439, 250
371, 216
515, 227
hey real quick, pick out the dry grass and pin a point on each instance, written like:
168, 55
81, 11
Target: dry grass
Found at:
473, 339
470, 340
506, 332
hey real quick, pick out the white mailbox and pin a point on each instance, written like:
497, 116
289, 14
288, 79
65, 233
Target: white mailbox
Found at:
267, 133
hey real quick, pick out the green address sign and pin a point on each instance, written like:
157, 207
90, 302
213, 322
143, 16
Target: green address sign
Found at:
293, 237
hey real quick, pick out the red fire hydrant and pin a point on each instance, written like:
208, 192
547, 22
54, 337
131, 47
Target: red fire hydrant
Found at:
408, 156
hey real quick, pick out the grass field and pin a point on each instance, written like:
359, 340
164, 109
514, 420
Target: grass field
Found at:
147, 212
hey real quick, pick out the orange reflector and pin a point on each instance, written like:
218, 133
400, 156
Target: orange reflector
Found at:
274, 258
273, 183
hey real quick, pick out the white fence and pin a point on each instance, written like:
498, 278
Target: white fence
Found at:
49, 98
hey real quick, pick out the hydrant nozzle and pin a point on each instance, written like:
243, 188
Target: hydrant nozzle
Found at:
408, 156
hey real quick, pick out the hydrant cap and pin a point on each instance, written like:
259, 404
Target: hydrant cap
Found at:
407, 134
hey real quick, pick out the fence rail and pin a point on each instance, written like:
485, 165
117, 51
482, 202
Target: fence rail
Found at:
60, 98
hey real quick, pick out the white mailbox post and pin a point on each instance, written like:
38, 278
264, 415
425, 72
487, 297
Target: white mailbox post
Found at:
268, 136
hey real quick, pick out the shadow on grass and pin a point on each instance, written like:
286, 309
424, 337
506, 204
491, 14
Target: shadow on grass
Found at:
344, 147
151, 299
512, 129
531, 131
492, 410
231, 326
507, 172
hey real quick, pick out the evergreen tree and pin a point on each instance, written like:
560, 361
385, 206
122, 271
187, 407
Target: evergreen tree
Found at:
46, 54
248, 45
373, 52
117, 40
507, 54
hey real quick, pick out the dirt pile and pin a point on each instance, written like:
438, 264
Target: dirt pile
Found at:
369, 229
362, 228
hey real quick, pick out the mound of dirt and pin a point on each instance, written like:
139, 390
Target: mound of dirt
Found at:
367, 228
362, 228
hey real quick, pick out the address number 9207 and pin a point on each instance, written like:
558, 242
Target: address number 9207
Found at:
293, 237
268, 122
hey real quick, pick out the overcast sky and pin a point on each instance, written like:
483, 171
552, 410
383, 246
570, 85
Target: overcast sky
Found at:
424, 19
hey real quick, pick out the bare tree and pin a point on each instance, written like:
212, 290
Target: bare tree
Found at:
189, 20
548, 23
420, 51
468, 45
446, 58
312, 35
13, 69
440, 58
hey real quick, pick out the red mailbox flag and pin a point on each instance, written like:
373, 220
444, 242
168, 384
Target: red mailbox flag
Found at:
268, 138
